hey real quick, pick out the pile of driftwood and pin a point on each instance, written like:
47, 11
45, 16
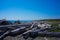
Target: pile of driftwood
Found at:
25, 32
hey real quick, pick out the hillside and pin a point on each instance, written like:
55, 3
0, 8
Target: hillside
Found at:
53, 22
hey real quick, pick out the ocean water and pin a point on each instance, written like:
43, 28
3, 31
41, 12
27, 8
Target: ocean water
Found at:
12, 21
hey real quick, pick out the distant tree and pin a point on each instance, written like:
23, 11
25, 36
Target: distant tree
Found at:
17, 22
4, 22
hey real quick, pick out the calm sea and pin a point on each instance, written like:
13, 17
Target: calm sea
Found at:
21, 21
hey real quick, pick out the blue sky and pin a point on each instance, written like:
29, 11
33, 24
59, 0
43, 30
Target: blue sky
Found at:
29, 9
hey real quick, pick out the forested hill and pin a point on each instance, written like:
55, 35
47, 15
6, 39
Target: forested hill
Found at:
57, 20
